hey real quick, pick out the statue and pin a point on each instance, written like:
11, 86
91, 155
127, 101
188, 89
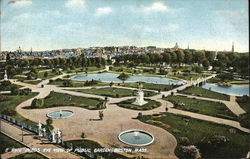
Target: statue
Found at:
140, 97
39, 125
5, 77
58, 136
53, 139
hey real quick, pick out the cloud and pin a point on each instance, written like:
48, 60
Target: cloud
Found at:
103, 11
75, 3
157, 6
153, 29
20, 3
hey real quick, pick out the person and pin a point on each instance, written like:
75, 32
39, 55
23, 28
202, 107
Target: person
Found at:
42, 85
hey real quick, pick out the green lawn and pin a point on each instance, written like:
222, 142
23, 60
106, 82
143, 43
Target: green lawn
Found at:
244, 103
83, 69
8, 87
55, 99
198, 132
9, 102
29, 156
35, 82
150, 86
113, 92
89, 144
50, 74
60, 83
7, 142
202, 92
148, 106
202, 106
193, 76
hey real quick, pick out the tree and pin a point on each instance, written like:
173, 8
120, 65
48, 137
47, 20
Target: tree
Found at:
205, 63
188, 57
180, 56
166, 57
45, 74
37, 103
101, 115
123, 76
199, 56
210, 55
49, 126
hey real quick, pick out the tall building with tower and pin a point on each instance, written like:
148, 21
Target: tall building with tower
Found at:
233, 47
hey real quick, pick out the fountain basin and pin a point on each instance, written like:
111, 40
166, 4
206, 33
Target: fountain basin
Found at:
60, 114
136, 137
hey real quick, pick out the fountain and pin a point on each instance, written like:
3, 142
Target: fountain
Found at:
140, 98
136, 138
60, 114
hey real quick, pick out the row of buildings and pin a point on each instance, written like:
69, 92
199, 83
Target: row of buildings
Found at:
91, 52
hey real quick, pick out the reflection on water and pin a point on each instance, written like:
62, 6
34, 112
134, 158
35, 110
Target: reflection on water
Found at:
112, 77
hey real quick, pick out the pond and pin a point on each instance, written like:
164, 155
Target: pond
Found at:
112, 77
236, 90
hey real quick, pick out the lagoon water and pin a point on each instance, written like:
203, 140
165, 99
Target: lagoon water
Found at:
236, 90
112, 77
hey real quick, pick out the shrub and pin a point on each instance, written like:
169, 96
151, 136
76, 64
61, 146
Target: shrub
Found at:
189, 152
117, 95
139, 115
244, 120
37, 103
217, 140
83, 135
184, 141
123, 76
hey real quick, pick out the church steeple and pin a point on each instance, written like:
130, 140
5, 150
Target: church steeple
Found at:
233, 47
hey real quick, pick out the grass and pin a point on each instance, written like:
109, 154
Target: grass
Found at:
60, 83
8, 88
12, 101
202, 92
198, 132
82, 69
29, 156
34, 82
202, 106
50, 74
148, 106
113, 92
151, 86
7, 142
192, 76
88, 144
55, 99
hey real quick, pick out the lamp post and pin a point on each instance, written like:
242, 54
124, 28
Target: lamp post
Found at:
22, 133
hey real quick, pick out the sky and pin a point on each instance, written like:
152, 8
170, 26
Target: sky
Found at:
59, 24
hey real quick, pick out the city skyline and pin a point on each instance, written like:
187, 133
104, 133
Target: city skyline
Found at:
51, 25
